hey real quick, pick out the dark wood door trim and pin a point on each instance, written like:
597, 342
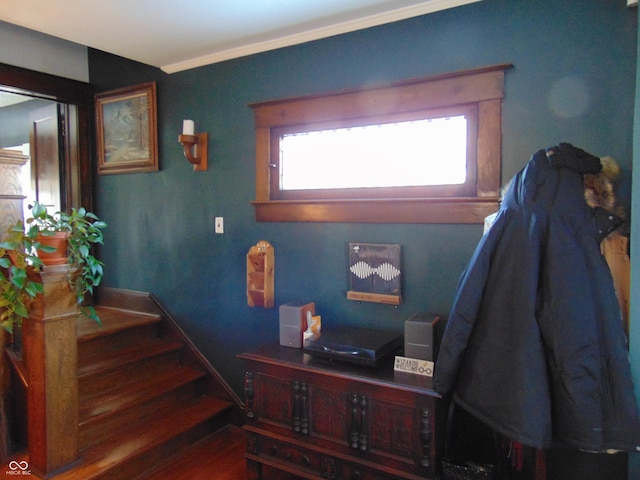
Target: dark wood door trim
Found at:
79, 125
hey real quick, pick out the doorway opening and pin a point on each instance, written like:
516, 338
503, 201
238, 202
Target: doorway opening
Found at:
53, 116
35, 128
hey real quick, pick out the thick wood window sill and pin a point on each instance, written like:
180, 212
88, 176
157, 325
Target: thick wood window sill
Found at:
432, 210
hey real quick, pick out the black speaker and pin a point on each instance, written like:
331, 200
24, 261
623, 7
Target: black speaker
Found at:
293, 322
420, 339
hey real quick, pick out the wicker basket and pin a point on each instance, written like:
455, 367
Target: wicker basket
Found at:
454, 470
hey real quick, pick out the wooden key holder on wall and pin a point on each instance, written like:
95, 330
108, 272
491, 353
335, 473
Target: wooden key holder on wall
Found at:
260, 274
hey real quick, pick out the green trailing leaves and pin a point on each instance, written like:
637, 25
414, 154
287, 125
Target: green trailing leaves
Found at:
16, 289
19, 255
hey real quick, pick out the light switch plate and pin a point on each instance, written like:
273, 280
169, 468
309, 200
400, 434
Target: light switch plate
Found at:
219, 221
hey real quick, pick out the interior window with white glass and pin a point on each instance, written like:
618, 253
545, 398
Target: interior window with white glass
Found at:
424, 152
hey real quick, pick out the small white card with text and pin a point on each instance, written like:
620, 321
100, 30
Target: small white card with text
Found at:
414, 365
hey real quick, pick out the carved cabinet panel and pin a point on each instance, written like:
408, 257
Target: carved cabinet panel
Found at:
11, 195
320, 419
273, 400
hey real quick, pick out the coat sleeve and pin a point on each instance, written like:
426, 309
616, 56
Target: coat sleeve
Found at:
465, 310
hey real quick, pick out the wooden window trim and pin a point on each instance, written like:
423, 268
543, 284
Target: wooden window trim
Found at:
483, 87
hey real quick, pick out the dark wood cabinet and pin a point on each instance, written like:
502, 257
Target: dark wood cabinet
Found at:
315, 418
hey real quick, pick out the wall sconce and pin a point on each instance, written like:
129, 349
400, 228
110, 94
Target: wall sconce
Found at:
194, 145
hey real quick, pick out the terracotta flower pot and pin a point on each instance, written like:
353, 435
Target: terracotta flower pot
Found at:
58, 241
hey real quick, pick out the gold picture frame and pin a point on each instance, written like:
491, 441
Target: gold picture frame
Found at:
127, 133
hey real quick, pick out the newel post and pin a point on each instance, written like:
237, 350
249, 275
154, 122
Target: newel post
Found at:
50, 354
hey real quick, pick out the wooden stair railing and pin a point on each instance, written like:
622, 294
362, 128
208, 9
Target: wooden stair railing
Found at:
147, 303
49, 347
117, 401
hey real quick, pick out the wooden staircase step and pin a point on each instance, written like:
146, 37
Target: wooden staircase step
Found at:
145, 444
114, 400
104, 416
103, 363
112, 320
120, 329
101, 373
118, 355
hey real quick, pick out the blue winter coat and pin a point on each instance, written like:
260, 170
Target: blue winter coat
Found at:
534, 346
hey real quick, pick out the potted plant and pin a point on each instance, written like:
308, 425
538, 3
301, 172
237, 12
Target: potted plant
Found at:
26, 249
49, 233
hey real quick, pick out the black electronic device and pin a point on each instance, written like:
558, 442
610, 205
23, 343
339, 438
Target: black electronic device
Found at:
361, 346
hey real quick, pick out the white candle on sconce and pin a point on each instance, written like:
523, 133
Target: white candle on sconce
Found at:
188, 127
194, 145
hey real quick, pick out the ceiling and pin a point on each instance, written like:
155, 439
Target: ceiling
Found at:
178, 36
7, 99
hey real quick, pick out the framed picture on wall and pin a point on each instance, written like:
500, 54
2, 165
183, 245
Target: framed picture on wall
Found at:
126, 127
375, 273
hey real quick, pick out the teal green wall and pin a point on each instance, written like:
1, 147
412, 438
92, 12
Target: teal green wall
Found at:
634, 341
15, 124
573, 80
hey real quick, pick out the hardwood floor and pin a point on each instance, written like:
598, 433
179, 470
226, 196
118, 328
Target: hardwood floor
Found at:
218, 457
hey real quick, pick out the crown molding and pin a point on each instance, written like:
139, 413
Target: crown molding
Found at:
423, 8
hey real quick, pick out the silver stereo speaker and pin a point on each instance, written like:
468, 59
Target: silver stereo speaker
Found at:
293, 322
420, 338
